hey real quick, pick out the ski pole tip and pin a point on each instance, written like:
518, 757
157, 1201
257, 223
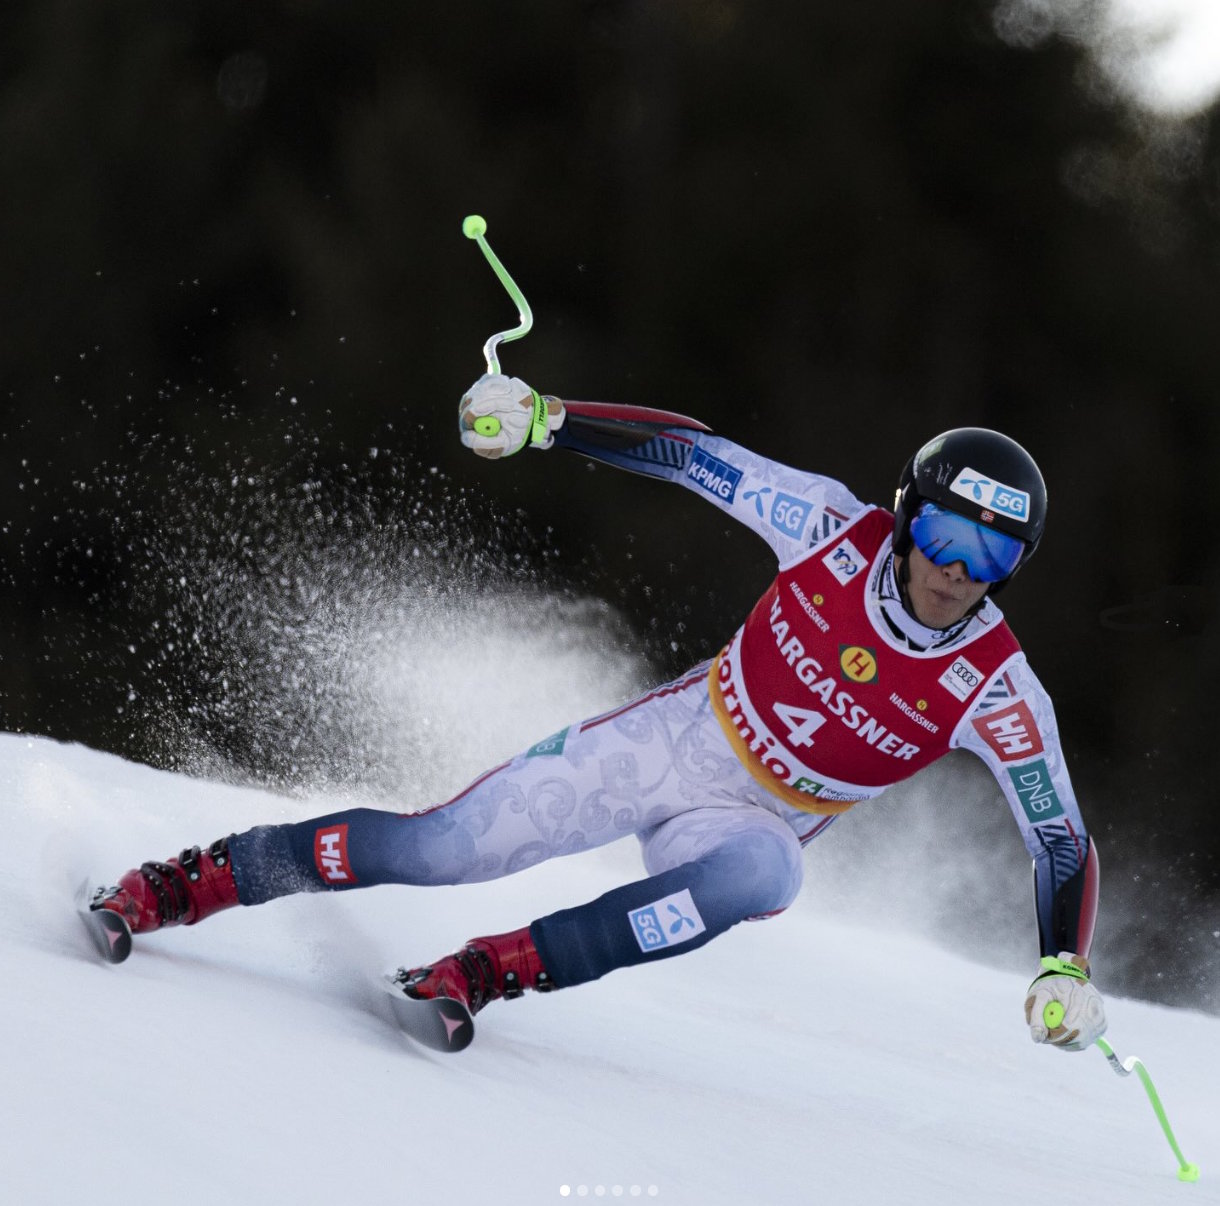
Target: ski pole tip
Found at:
474, 227
1188, 1172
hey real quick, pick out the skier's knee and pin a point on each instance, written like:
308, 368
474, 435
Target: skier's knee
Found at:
761, 870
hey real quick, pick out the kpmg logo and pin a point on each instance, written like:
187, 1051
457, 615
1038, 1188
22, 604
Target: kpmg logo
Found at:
790, 515
994, 496
666, 922
713, 475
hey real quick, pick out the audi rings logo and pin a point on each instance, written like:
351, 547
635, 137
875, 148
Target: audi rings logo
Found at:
963, 671
961, 679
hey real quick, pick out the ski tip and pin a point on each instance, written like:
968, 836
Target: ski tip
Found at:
108, 930
439, 1023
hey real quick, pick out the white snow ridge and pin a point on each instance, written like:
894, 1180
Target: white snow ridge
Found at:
807, 1059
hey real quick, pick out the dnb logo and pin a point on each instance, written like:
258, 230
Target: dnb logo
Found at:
858, 664
330, 855
1036, 791
666, 922
712, 475
1011, 732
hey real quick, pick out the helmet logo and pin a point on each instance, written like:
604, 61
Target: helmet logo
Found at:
996, 497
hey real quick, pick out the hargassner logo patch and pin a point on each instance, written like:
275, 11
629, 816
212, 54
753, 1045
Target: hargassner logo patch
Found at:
858, 663
666, 922
712, 475
330, 855
844, 561
1011, 732
961, 679
995, 496
1036, 791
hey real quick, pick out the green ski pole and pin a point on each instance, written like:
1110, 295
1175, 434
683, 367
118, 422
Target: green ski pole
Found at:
1052, 1016
475, 227
1186, 1170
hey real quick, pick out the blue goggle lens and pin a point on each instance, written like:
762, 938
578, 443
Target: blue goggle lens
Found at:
944, 537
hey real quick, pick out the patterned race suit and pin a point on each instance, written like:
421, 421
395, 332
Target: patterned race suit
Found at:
828, 693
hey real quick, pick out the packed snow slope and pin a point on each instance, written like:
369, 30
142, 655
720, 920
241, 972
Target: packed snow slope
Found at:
807, 1059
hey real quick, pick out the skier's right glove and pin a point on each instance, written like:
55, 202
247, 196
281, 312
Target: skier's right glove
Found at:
1062, 1007
500, 415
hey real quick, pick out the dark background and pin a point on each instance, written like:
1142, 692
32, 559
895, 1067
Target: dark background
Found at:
237, 313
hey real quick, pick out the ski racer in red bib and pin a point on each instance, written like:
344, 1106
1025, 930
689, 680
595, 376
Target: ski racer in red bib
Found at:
876, 650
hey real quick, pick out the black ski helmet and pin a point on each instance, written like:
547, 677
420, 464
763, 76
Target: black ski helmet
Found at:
978, 473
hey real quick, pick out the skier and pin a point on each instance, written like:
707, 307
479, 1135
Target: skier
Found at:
876, 649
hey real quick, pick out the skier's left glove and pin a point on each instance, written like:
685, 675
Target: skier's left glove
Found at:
1062, 1007
500, 415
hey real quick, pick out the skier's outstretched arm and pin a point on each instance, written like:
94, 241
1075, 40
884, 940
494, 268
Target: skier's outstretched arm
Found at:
789, 508
1013, 729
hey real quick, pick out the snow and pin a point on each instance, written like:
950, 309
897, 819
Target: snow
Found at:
805, 1059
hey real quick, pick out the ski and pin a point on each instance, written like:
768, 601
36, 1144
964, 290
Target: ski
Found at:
109, 931
440, 1023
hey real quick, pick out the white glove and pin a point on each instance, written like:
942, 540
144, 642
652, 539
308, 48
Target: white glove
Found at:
1062, 1007
499, 415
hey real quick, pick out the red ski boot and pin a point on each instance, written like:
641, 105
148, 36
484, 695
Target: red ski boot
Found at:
485, 969
182, 891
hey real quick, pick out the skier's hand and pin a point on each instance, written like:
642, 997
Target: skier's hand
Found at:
1062, 1007
499, 415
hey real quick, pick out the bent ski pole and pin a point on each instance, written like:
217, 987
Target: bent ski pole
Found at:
1186, 1170
475, 227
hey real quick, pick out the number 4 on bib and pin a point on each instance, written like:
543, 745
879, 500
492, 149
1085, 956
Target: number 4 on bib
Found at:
801, 723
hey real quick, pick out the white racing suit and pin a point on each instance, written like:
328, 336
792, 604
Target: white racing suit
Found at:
829, 693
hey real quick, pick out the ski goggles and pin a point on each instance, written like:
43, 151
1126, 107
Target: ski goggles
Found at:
944, 537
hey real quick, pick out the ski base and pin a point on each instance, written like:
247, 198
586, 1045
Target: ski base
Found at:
109, 931
441, 1023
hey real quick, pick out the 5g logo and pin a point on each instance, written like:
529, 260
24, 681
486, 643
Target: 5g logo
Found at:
790, 515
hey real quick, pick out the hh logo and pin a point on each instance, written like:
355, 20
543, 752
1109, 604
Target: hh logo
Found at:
330, 855
666, 922
858, 664
1012, 732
